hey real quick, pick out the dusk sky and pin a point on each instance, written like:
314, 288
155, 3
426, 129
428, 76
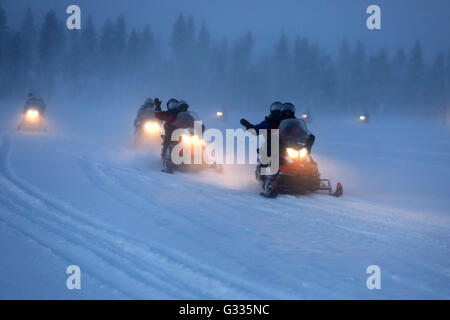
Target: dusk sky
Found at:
323, 21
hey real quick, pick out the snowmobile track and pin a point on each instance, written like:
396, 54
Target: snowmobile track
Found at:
110, 181
117, 254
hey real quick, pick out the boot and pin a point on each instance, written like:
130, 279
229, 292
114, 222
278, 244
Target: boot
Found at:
166, 164
271, 186
165, 160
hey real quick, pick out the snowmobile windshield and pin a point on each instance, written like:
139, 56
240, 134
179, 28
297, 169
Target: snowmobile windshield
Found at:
293, 130
147, 113
34, 102
186, 120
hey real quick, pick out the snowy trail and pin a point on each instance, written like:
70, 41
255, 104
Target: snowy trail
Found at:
110, 183
194, 236
135, 265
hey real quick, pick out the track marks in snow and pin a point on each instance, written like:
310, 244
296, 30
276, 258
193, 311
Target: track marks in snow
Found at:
131, 187
297, 234
120, 262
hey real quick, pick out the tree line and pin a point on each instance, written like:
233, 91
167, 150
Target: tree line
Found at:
114, 60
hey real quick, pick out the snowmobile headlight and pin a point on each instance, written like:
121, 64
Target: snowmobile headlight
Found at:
195, 139
219, 113
151, 126
292, 153
303, 152
304, 116
32, 114
362, 118
186, 138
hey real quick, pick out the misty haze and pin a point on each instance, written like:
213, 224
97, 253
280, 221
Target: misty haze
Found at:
94, 206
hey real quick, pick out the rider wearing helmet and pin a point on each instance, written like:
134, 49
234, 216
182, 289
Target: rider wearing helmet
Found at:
272, 121
174, 107
182, 106
170, 115
172, 104
287, 111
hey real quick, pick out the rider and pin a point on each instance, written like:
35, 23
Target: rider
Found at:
147, 110
278, 112
174, 107
288, 112
272, 121
34, 102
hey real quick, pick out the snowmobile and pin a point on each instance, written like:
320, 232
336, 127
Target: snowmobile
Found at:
221, 115
148, 130
33, 119
298, 172
307, 116
364, 118
190, 146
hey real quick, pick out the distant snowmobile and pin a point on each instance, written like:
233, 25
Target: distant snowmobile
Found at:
221, 115
364, 118
33, 116
307, 116
148, 132
298, 172
148, 128
188, 142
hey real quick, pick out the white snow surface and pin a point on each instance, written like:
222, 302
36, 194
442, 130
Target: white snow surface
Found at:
79, 194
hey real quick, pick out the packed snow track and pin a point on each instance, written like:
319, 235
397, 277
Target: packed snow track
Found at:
138, 233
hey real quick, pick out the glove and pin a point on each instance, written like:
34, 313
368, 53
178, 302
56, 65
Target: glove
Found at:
246, 124
310, 142
157, 104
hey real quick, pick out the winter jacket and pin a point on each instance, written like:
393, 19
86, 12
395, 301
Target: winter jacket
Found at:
168, 116
268, 123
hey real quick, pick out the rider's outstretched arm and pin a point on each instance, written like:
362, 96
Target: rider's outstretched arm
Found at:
264, 125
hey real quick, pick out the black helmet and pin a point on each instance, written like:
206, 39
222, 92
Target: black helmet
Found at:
172, 104
182, 106
287, 106
276, 106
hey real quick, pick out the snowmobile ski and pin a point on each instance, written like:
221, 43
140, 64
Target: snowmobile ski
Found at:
339, 191
269, 195
167, 170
